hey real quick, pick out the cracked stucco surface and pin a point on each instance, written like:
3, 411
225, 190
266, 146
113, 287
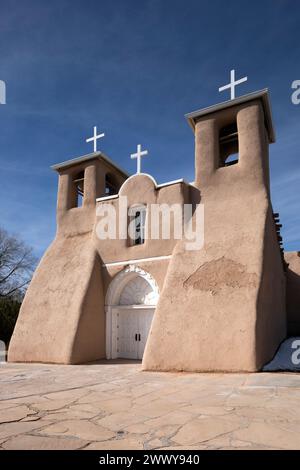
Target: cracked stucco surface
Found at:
215, 274
117, 406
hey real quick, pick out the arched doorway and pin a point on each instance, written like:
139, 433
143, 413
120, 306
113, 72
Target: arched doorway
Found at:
130, 304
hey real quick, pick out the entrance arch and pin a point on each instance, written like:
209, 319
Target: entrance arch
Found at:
129, 305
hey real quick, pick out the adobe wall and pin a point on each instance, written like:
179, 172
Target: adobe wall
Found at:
218, 310
60, 320
62, 316
141, 189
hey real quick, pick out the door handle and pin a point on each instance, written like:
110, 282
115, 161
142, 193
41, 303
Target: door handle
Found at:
135, 337
139, 337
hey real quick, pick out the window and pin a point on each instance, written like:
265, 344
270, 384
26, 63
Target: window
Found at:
111, 186
137, 224
78, 181
229, 145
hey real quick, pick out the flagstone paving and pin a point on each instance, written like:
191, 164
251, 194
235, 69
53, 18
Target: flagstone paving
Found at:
114, 405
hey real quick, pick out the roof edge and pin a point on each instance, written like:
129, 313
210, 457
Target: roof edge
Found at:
90, 156
263, 95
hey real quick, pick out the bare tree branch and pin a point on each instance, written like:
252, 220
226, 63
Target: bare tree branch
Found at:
15, 289
16, 265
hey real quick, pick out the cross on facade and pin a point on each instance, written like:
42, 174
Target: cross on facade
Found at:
95, 138
233, 83
138, 155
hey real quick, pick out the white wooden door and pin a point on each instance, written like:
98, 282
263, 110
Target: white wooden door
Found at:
127, 328
133, 327
144, 324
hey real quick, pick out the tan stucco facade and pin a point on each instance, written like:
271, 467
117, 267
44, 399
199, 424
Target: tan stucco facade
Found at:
221, 307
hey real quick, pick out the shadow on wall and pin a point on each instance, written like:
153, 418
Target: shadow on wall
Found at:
271, 324
287, 357
293, 302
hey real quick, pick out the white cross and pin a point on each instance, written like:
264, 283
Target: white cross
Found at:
233, 84
95, 138
138, 155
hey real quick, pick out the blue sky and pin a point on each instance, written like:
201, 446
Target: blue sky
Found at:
134, 68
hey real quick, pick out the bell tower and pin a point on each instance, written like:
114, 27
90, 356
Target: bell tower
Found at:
65, 299
231, 292
81, 181
234, 134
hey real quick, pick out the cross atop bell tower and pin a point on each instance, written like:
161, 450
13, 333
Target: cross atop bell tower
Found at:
233, 83
95, 138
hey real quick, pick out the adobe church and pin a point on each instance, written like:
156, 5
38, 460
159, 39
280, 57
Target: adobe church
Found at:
226, 306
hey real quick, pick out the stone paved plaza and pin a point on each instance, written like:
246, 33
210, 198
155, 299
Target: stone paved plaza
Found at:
117, 406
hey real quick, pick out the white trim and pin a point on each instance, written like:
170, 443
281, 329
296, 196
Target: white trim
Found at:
106, 198
169, 183
140, 260
139, 174
135, 307
112, 299
122, 278
157, 186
